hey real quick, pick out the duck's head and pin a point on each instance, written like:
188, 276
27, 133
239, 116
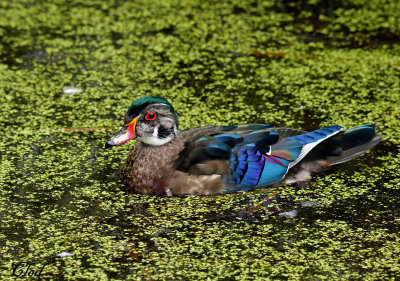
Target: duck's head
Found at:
151, 119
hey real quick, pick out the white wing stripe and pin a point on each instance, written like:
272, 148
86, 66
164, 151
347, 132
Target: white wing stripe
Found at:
308, 147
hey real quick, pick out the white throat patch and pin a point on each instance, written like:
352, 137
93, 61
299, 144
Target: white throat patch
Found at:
155, 140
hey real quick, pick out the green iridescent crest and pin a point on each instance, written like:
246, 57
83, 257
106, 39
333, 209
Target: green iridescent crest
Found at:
141, 103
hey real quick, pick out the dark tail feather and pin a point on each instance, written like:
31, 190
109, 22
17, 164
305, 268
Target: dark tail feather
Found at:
340, 148
352, 143
354, 152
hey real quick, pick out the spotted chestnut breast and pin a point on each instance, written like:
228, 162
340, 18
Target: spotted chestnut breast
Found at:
225, 159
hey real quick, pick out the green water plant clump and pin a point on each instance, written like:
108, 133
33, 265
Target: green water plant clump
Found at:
70, 69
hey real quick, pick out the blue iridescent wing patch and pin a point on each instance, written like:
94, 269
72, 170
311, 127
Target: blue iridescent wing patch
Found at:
251, 168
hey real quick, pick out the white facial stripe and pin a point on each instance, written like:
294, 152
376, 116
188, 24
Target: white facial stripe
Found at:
155, 133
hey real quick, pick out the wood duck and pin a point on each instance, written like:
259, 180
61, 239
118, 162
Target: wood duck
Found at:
225, 159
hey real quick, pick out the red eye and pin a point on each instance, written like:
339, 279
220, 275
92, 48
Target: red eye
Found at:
150, 116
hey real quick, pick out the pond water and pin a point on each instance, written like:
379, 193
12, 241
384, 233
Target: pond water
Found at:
69, 70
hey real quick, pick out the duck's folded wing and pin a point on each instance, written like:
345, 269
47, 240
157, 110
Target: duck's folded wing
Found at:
227, 159
216, 143
244, 157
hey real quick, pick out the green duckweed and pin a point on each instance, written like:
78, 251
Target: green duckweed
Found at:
68, 65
